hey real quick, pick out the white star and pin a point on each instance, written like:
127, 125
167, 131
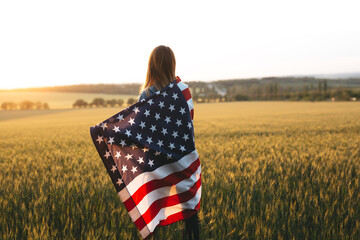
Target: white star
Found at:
160, 143
131, 121
142, 125
171, 108
186, 137
103, 125
147, 112
133, 146
182, 148
138, 136
111, 140
169, 156
140, 160
175, 96
107, 154
124, 168
134, 169
171, 85
178, 122
182, 110
153, 128
151, 162
113, 169
161, 104
145, 149
99, 139
149, 140
118, 154
128, 133
116, 129
136, 110
150, 102
157, 153
164, 131
172, 146
120, 117
142, 100
128, 156
189, 125
119, 181
122, 143
158, 92
175, 134
164, 94
167, 119
157, 116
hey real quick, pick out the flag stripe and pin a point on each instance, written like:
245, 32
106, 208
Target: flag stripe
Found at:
182, 186
169, 180
184, 214
186, 93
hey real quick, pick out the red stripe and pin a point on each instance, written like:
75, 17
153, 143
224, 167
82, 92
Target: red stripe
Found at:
177, 79
170, 201
169, 180
192, 113
186, 93
178, 216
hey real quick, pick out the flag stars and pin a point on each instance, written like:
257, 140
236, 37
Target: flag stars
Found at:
124, 168
131, 121
100, 139
119, 182
147, 113
160, 143
145, 149
107, 154
133, 146
189, 125
128, 133
118, 154
157, 116
182, 111
138, 136
120, 117
134, 169
175, 96
186, 137
153, 128
161, 104
182, 148
149, 140
171, 108
111, 140
169, 156
122, 143
167, 120
164, 131
151, 162
136, 110
164, 94
150, 102
171, 85
171, 146
103, 125
116, 129
157, 153
178, 122
113, 169
174, 134
142, 125
128, 156
140, 160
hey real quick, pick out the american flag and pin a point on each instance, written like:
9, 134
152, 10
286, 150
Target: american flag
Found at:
149, 152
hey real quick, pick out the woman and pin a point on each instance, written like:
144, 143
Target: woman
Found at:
160, 73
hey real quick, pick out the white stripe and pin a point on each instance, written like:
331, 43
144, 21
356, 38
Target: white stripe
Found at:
168, 211
190, 104
144, 232
182, 86
159, 193
161, 172
124, 195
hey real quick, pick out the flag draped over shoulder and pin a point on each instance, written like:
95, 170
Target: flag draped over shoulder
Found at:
149, 152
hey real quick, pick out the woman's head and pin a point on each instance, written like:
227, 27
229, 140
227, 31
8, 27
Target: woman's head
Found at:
161, 68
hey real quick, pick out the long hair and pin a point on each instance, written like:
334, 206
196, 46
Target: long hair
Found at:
161, 68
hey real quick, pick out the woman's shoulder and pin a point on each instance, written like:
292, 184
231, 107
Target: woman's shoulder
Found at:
152, 90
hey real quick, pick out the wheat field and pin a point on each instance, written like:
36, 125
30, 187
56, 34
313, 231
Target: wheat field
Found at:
270, 170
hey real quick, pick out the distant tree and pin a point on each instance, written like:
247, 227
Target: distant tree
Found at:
131, 101
9, 106
46, 106
38, 105
80, 103
111, 102
98, 102
120, 102
26, 105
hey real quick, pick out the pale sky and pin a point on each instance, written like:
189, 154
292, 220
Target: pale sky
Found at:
45, 43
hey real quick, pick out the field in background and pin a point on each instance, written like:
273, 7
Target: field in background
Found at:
57, 100
270, 170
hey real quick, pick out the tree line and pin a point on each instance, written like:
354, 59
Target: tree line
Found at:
25, 105
101, 102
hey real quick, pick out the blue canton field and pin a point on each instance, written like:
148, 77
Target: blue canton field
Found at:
270, 170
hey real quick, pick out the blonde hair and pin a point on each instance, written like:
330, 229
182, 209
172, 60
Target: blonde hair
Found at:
161, 68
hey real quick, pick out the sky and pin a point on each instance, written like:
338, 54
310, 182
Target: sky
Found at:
50, 43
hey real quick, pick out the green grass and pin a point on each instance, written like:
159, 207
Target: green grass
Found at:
270, 170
